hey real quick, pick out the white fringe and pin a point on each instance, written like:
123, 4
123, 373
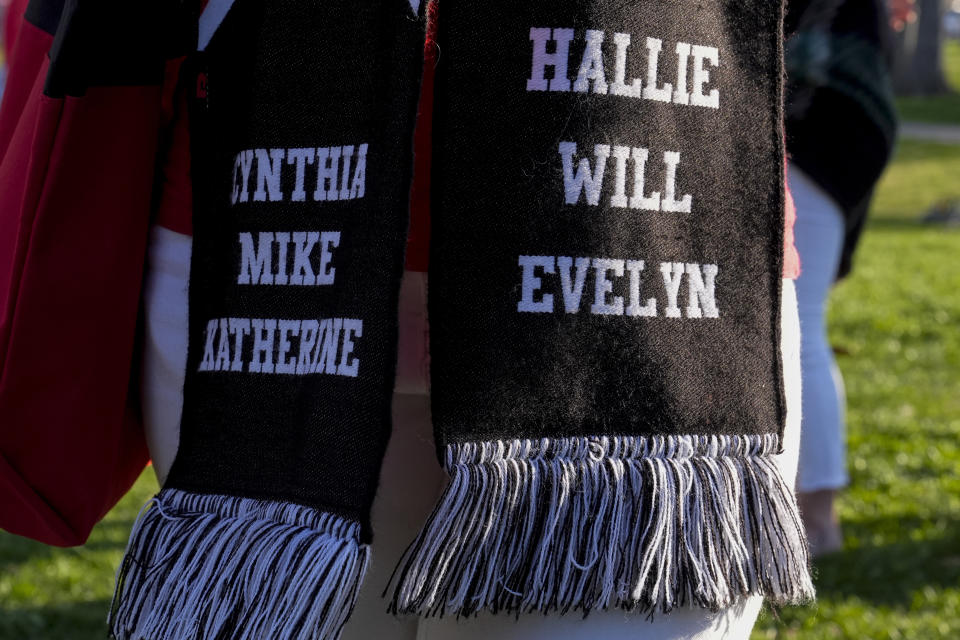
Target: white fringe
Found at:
213, 566
640, 523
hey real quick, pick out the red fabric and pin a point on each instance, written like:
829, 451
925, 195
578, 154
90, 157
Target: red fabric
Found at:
75, 183
27, 70
11, 23
27, 126
418, 240
791, 258
175, 207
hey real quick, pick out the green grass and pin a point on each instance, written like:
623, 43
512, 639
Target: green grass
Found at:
898, 316
48, 593
944, 108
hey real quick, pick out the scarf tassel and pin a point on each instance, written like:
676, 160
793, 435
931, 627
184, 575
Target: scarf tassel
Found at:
214, 566
576, 524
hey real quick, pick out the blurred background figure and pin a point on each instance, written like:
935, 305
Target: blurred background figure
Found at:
840, 124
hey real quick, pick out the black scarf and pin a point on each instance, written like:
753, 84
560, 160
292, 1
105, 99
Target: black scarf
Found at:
604, 300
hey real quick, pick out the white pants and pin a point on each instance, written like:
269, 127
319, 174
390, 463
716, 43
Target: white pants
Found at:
819, 236
412, 479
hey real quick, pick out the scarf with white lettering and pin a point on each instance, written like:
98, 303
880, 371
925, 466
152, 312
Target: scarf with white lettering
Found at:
607, 227
301, 124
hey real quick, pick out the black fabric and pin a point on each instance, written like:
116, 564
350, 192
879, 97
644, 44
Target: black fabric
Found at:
499, 193
658, 420
44, 14
840, 116
112, 43
284, 76
856, 221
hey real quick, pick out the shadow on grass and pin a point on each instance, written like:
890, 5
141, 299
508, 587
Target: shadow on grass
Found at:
892, 223
108, 536
925, 151
73, 621
15, 550
889, 574
895, 224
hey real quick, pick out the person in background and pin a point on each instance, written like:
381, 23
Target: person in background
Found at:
840, 126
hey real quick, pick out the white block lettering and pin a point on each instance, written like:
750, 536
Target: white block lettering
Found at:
541, 59
530, 284
583, 181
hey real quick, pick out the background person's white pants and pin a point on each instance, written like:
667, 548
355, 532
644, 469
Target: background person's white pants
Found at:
819, 234
412, 479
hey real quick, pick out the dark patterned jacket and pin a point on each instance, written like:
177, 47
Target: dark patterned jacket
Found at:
840, 116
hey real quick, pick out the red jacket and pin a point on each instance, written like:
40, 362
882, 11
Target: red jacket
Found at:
77, 156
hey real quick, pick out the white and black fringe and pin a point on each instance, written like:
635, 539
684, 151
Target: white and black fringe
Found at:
641, 523
213, 566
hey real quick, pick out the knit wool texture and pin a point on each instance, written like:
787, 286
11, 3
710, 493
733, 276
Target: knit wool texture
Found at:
278, 80
606, 253
604, 301
499, 193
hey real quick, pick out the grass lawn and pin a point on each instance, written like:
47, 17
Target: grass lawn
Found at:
945, 108
47, 593
898, 316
